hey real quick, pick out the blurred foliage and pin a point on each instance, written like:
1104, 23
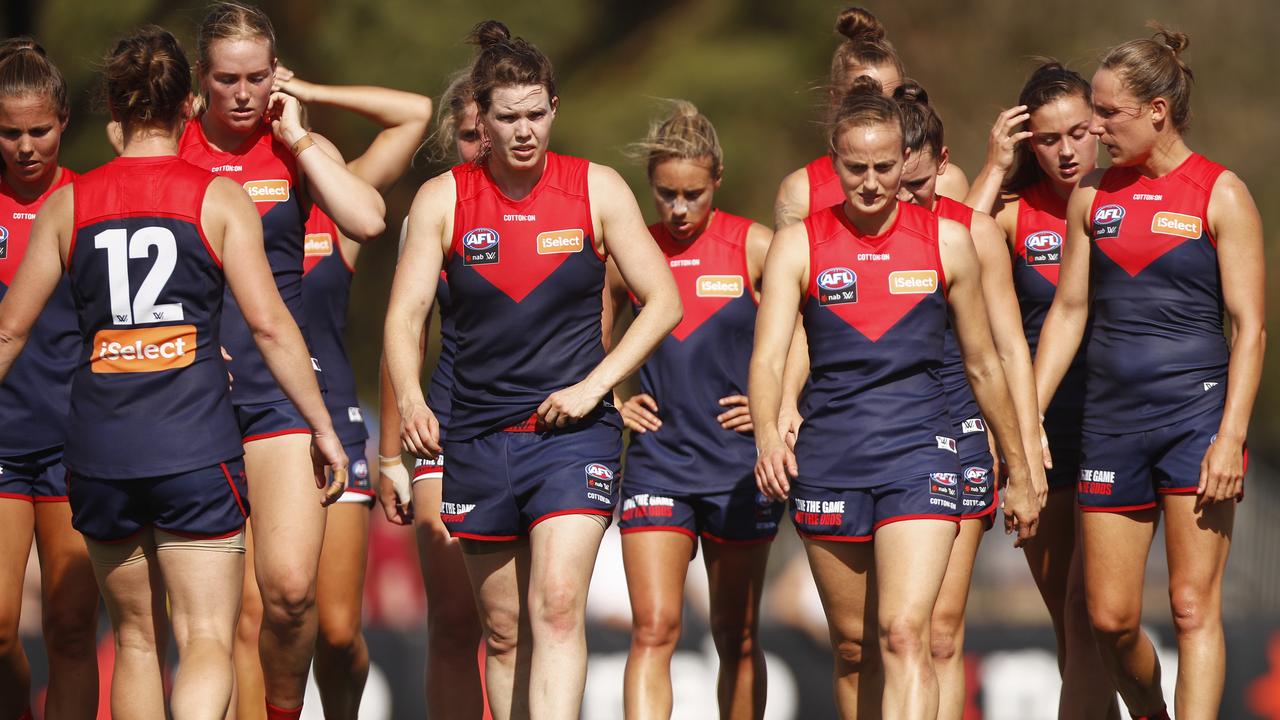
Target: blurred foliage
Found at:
756, 67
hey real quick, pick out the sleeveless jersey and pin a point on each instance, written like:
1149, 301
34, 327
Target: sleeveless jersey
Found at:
150, 392
966, 418
326, 292
36, 395
875, 315
824, 184
704, 359
270, 175
440, 388
1157, 354
1037, 254
526, 282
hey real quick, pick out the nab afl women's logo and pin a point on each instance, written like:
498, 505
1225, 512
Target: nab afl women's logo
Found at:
1106, 221
599, 478
480, 247
1044, 248
837, 285
4, 242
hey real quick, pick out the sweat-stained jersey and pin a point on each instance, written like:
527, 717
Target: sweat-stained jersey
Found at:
525, 285
875, 315
36, 394
150, 393
704, 359
270, 175
1157, 354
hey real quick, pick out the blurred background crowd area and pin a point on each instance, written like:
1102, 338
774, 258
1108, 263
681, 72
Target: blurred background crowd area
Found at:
757, 69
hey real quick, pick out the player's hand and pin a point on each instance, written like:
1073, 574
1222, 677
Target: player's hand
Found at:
420, 431
287, 81
285, 115
1021, 505
567, 406
1005, 136
789, 422
326, 450
639, 413
395, 490
738, 417
775, 469
1222, 471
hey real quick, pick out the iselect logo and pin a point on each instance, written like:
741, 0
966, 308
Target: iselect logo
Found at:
150, 349
267, 190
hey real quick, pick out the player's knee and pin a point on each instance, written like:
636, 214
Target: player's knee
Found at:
656, 629
1192, 609
851, 655
557, 608
733, 640
501, 633
905, 637
288, 599
339, 629
1113, 624
69, 633
944, 643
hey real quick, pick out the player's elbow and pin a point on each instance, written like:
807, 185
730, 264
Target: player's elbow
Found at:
369, 224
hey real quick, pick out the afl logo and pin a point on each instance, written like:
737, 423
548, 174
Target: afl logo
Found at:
1106, 221
975, 474
1044, 248
944, 479
599, 477
480, 247
837, 286
837, 278
4, 242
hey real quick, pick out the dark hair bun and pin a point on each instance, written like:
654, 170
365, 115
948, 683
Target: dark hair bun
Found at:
859, 24
489, 33
911, 91
866, 85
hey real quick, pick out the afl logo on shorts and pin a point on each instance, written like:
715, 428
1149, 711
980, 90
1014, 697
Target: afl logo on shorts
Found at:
1106, 221
1044, 248
360, 469
975, 480
480, 247
599, 477
4, 243
943, 484
837, 286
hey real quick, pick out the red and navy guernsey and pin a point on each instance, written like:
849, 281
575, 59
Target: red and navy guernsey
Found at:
966, 417
36, 395
1157, 354
525, 282
875, 315
269, 174
326, 294
704, 359
150, 394
1037, 255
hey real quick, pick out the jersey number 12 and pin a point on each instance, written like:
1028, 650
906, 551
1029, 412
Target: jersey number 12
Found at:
120, 247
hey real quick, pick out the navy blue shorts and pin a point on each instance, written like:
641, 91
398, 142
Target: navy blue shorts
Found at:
211, 502
500, 485
36, 477
259, 421
979, 496
854, 515
741, 515
1126, 472
359, 487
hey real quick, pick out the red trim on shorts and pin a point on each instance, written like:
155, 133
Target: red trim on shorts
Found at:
666, 528
201, 536
834, 538
926, 516
727, 541
17, 496
418, 477
528, 425
1118, 509
234, 491
991, 510
573, 511
50, 498
366, 493
277, 433
1177, 491
482, 538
